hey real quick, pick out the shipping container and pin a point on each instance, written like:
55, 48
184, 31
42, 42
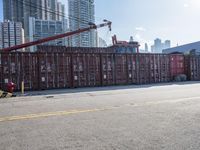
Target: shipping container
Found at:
86, 70
108, 69
63, 70
46, 48
18, 67
29, 71
121, 69
164, 68
144, 68
192, 66
177, 66
54, 70
132, 69
67, 69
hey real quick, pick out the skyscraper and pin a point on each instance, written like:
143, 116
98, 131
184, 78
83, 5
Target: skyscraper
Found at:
167, 44
146, 47
81, 13
21, 10
11, 34
39, 29
157, 45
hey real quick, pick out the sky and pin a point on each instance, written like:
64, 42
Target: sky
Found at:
145, 20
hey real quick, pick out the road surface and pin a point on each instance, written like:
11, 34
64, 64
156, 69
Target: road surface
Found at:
151, 117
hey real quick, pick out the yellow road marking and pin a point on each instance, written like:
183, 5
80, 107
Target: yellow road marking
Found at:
62, 113
48, 114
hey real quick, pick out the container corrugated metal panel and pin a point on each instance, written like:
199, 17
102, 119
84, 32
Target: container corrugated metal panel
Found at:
45, 48
18, 67
187, 66
54, 70
154, 68
108, 69
132, 69
86, 70
177, 66
93, 69
193, 67
164, 68
144, 68
50, 49
47, 71
121, 70
63, 70
29, 70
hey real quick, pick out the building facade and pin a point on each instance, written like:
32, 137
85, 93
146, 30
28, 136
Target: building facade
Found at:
11, 34
167, 44
186, 49
39, 29
146, 47
21, 10
159, 46
81, 13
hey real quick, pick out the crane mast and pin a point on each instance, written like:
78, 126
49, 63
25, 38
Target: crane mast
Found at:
44, 40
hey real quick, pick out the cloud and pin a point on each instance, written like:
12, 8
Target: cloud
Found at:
140, 29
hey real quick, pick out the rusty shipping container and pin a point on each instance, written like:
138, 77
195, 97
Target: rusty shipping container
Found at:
164, 65
86, 70
132, 69
18, 67
67, 69
159, 68
121, 69
50, 49
192, 66
108, 69
144, 68
177, 65
54, 70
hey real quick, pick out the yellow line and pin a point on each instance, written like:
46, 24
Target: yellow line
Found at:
48, 114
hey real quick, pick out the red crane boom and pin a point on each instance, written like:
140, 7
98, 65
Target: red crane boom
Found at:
44, 40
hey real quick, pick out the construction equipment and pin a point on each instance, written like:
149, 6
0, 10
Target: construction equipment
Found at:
44, 40
125, 44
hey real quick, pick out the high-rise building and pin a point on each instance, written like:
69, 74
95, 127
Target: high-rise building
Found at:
39, 29
11, 34
146, 47
61, 12
152, 49
21, 10
167, 44
159, 46
81, 13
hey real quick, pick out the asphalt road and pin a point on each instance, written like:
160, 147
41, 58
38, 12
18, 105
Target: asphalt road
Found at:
159, 117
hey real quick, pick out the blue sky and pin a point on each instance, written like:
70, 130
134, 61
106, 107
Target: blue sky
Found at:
177, 20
